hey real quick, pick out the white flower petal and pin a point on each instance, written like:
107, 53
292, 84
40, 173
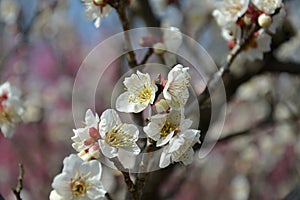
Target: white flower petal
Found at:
91, 120
55, 196
108, 151
162, 141
126, 158
109, 119
77, 173
165, 160
141, 93
175, 144
123, 104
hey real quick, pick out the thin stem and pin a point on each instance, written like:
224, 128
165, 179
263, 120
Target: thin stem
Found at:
120, 6
225, 68
19, 187
143, 175
147, 56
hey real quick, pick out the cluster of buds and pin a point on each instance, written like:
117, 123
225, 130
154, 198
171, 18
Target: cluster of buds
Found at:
242, 20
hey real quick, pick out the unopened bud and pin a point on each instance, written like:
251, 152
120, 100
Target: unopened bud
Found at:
247, 20
264, 21
98, 2
231, 44
159, 48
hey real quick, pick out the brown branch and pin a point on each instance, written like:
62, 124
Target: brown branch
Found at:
147, 56
143, 175
120, 6
146, 13
275, 65
225, 68
19, 187
260, 125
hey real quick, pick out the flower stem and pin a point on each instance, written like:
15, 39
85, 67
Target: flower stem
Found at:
143, 175
225, 68
19, 187
120, 7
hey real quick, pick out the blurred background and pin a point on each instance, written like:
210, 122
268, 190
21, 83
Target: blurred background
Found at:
42, 45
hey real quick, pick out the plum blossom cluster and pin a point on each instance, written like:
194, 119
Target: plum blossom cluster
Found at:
109, 138
11, 109
252, 20
168, 127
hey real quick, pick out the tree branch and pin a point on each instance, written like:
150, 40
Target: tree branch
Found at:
19, 187
120, 6
147, 56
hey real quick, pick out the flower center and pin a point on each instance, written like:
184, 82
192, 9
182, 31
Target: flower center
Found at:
167, 129
117, 137
143, 96
79, 186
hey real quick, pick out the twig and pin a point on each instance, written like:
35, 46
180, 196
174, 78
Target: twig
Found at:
143, 175
145, 11
19, 187
120, 6
147, 56
225, 68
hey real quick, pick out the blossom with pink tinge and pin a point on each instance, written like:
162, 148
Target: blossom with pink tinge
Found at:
85, 140
117, 139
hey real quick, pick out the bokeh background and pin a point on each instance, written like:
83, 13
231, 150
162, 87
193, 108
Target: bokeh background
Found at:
42, 45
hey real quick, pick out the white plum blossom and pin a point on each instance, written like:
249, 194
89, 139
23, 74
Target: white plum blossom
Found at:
85, 140
176, 90
171, 41
163, 127
259, 13
96, 10
267, 6
229, 11
180, 148
11, 109
79, 180
117, 138
140, 93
